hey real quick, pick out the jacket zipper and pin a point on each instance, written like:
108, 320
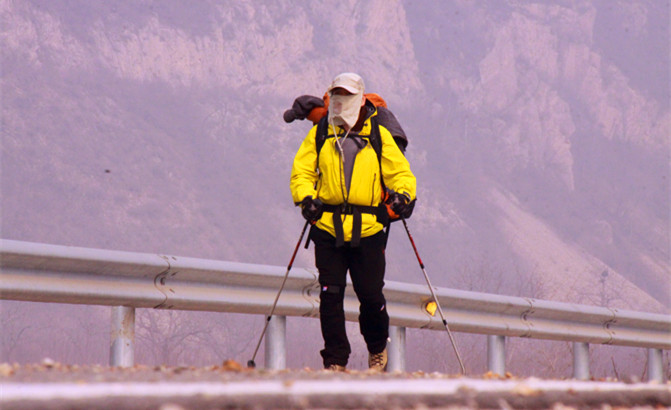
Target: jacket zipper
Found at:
372, 189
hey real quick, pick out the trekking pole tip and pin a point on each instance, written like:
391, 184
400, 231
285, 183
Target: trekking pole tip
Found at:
251, 364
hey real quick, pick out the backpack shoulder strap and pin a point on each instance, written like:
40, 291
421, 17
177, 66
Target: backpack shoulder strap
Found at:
320, 136
322, 133
375, 139
376, 143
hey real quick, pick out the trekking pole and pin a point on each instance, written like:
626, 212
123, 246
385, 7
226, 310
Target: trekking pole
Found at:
251, 362
433, 294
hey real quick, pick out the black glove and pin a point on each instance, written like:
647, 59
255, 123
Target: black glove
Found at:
400, 204
311, 209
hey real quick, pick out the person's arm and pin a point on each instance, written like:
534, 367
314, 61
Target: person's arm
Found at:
303, 173
396, 168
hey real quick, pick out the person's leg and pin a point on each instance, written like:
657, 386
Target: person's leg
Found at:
332, 265
367, 267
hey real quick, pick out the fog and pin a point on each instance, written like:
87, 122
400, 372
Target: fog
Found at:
539, 134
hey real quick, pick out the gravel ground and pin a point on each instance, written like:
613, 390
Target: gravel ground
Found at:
51, 385
230, 370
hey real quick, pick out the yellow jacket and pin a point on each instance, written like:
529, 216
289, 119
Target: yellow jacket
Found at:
328, 184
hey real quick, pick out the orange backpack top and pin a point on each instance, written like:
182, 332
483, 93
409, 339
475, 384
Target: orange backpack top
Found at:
317, 113
315, 108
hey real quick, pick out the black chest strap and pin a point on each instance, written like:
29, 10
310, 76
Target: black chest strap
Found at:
355, 211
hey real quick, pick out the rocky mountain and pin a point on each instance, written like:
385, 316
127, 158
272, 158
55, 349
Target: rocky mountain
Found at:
542, 103
539, 132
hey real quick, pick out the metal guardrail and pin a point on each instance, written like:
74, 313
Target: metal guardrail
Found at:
125, 280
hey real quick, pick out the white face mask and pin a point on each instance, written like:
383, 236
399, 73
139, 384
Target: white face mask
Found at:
344, 109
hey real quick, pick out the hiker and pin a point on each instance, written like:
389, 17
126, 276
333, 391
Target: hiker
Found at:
339, 180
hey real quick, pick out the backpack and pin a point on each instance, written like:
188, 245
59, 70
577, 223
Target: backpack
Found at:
315, 108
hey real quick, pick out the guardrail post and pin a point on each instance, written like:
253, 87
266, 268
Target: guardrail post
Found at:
496, 354
655, 371
580, 360
122, 344
276, 343
396, 349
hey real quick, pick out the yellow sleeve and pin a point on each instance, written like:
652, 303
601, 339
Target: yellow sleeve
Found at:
303, 173
395, 167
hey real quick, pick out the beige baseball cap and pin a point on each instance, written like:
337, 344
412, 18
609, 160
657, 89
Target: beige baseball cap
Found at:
351, 82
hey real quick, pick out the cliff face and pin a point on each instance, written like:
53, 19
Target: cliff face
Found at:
270, 48
539, 74
539, 146
542, 107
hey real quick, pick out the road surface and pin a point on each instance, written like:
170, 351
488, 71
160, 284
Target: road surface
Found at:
56, 386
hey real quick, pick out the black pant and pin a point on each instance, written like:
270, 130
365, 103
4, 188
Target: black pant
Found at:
366, 264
